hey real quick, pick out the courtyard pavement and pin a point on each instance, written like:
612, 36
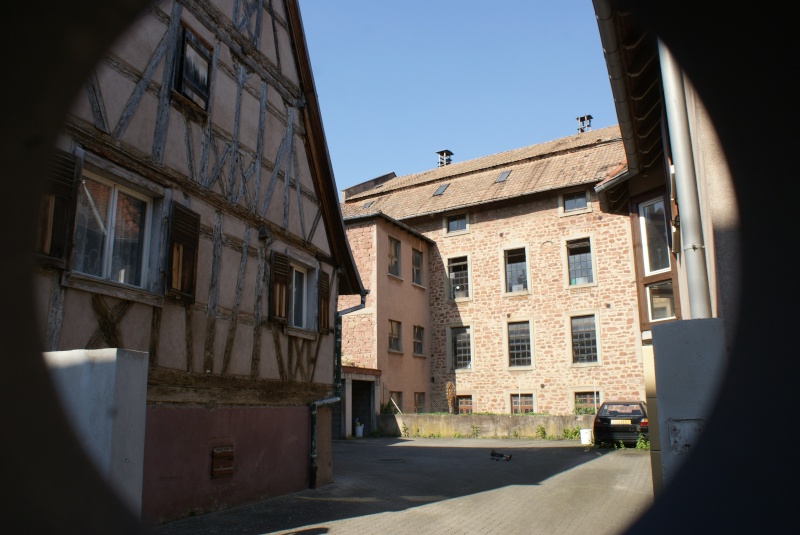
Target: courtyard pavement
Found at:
452, 486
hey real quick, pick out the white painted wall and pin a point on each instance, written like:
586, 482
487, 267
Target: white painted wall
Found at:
104, 393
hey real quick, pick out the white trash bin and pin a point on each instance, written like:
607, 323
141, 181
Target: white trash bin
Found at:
586, 436
359, 431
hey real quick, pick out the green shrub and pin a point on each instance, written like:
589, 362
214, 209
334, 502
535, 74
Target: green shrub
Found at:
540, 432
642, 443
575, 432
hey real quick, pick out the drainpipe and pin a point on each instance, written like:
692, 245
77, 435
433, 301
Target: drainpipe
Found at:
693, 248
312, 481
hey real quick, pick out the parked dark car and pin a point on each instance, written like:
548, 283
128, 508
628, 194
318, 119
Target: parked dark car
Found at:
621, 421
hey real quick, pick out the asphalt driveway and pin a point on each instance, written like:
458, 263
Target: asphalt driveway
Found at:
443, 486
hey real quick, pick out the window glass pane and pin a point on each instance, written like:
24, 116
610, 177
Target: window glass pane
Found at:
586, 402
458, 270
419, 334
574, 201
298, 298
462, 354
457, 222
516, 276
654, 236
394, 335
394, 257
661, 299
91, 227
521, 403
127, 255
419, 401
519, 344
579, 260
584, 339
417, 267
464, 404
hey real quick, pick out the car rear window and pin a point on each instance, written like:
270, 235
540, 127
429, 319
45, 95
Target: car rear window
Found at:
621, 409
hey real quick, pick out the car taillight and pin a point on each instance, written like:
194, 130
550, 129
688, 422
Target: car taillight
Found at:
644, 423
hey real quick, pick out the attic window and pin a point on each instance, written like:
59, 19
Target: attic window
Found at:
368, 204
441, 189
502, 177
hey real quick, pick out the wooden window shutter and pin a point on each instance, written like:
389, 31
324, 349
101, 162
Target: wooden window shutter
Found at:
57, 207
324, 302
279, 288
184, 242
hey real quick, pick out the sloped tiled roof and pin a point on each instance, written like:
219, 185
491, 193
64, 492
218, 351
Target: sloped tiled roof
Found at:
583, 158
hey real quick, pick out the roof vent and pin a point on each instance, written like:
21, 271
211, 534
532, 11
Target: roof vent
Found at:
444, 157
584, 123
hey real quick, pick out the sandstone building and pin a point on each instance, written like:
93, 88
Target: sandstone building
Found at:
530, 286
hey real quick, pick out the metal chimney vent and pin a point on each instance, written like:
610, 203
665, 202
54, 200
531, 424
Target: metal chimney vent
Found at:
584, 123
444, 157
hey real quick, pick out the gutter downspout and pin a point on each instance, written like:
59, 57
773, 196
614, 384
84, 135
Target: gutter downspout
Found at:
693, 248
312, 480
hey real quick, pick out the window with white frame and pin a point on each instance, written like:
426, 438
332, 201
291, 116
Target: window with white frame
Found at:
112, 229
458, 273
419, 338
416, 267
656, 260
293, 293
584, 339
521, 403
579, 261
516, 270
395, 335
394, 256
461, 347
519, 344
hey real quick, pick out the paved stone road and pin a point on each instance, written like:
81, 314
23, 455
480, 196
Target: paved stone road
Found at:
452, 486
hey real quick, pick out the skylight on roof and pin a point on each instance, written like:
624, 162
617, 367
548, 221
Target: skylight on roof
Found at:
368, 204
502, 177
440, 189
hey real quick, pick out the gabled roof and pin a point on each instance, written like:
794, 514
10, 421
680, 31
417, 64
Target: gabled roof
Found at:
584, 158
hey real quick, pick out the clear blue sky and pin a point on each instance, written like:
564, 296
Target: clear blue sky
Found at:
398, 81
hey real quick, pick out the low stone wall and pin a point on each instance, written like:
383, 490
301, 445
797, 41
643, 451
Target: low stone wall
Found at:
480, 425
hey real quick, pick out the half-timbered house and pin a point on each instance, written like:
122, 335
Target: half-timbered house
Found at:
192, 214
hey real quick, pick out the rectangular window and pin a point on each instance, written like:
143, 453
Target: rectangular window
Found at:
656, 273
419, 402
461, 347
519, 344
458, 271
416, 267
192, 73
299, 277
516, 270
184, 239
584, 339
521, 403
111, 231
579, 260
396, 402
575, 201
395, 334
419, 337
394, 257
464, 404
456, 223
655, 241
586, 402
661, 301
